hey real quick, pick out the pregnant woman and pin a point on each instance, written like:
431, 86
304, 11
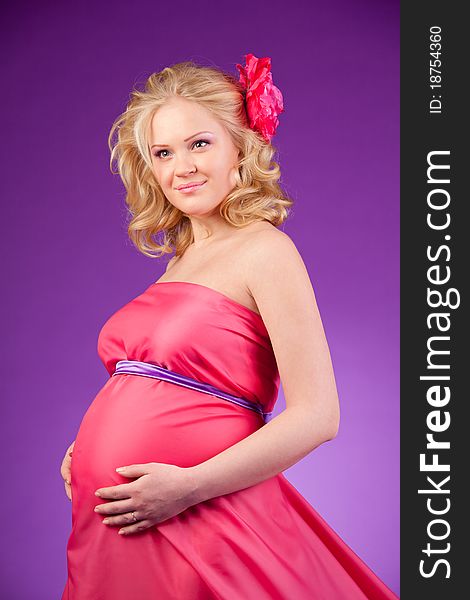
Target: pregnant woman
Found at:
175, 475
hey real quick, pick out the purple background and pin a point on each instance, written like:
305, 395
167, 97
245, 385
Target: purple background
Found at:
68, 69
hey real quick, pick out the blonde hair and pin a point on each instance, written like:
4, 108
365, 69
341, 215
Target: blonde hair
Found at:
156, 226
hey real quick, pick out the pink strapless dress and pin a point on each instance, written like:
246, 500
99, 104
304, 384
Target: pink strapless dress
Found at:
265, 542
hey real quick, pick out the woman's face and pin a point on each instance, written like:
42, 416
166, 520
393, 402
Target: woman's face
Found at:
188, 145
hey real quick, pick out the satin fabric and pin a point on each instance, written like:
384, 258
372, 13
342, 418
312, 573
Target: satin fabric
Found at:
137, 367
265, 542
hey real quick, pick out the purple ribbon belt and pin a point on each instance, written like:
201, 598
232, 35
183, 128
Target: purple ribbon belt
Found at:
137, 367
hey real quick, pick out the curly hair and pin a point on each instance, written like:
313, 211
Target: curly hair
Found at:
156, 227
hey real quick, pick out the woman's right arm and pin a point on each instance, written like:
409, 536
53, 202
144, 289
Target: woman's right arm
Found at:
65, 470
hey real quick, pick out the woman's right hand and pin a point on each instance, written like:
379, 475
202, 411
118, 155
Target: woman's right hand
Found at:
66, 471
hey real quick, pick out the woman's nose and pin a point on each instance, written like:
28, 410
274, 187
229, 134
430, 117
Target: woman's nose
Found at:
185, 165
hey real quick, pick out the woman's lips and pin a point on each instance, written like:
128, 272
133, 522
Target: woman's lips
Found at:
192, 188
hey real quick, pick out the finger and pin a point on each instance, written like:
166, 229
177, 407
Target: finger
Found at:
133, 470
125, 519
68, 491
115, 508
135, 528
66, 475
65, 466
64, 463
68, 455
66, 472
115, 492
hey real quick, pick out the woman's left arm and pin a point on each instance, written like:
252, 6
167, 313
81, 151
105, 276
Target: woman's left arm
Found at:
278, 281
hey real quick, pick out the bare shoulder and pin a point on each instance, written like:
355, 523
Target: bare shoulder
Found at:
264, 239
268, 253
278, 280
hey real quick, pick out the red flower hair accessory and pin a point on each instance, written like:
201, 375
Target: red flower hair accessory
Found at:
264, 100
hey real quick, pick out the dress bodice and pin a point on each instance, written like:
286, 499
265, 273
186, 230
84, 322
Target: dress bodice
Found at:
196, 331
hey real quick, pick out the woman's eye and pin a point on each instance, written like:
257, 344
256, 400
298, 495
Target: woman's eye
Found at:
203, 141
158, 154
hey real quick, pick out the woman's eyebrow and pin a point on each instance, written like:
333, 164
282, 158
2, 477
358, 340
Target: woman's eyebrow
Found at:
186, 140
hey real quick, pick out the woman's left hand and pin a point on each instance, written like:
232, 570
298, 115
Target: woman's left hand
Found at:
160, 492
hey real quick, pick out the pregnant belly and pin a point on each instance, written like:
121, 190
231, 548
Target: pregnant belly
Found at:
137, 419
